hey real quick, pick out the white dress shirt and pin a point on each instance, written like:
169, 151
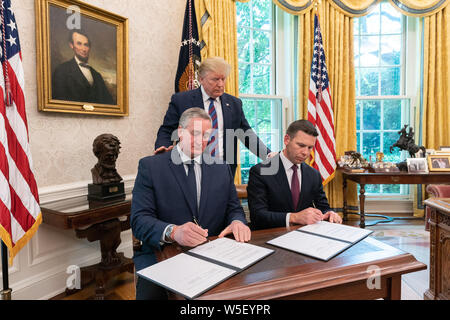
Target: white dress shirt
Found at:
287, 164
218, 106
86, 71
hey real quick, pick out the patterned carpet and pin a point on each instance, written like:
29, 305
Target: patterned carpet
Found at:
415, 240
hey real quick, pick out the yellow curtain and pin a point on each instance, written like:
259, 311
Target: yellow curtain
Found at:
351, 8
337, 34
436, 86
216, 21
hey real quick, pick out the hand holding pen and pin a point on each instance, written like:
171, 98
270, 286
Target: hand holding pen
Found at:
190, 234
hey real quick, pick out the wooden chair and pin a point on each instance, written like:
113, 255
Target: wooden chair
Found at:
437, 191
242, 195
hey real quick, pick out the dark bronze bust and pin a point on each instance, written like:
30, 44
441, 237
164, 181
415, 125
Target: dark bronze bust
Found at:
106, 148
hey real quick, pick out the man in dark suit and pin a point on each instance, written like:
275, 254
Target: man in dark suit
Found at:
225, 110
284, 190
177, 197
76, 80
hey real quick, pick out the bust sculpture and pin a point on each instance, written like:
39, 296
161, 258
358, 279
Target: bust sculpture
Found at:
106, 148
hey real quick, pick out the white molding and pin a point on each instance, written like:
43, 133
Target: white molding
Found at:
40, 273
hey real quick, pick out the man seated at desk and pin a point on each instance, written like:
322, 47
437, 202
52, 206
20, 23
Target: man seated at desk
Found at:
182, 196
284, 190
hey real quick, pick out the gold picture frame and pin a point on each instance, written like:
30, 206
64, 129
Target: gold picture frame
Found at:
439, 162
82, 59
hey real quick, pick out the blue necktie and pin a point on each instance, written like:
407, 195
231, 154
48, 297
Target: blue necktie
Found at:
213, 140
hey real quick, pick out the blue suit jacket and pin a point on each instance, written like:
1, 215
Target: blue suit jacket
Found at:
270, 198
161, 197
233, 118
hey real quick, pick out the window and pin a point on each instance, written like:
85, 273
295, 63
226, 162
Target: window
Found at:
382, 106
263, 108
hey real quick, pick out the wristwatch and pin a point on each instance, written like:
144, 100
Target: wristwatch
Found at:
168, 232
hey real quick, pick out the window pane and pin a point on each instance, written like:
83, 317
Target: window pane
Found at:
358, 115
391, 19
392, 114
261, 47
262, 12
371, 144
244, 45
390, 81
369, 51
244, 78
369, 81
357, 54
358, 82
389, 138
370, 24
248, 106
355, 27
390, 50
371, 115
261, 79
242, 14
264, 114
391, 188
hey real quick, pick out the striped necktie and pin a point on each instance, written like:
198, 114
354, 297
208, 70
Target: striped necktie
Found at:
213, 141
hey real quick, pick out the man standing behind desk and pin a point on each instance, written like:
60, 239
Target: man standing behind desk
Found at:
284, 190
225, 111
178, 197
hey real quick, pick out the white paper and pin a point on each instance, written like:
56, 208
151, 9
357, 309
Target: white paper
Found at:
309, 244
231, 252
337, 231
187, 275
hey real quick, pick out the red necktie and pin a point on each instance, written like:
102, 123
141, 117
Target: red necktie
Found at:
295, 188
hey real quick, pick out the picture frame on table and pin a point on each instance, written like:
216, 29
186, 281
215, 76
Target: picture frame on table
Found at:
82, 59
439, 162
417, 165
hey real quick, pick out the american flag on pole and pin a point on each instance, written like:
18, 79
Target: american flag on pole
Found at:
320, 111
20, 213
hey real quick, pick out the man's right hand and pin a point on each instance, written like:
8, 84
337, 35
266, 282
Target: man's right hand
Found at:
163, 149
189, 234
307, 216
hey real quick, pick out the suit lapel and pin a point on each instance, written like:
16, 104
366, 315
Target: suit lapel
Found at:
197, 99
227, 120
303, 187
180, 175
283, 182
80, 76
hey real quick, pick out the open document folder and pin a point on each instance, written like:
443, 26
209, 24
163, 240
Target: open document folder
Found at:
194, 272
322, 240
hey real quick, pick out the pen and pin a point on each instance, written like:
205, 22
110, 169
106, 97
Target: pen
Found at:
196, 222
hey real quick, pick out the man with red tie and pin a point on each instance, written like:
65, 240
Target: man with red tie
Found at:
225, 111
284, 190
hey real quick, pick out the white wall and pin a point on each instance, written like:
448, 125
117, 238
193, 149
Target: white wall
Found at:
61, 144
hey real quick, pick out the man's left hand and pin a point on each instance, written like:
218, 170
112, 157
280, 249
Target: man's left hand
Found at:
240, 231
332, 217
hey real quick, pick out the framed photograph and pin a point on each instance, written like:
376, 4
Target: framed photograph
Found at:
439, 162
417, 165
82, 58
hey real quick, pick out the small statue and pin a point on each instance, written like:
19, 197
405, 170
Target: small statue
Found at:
406, 142
106, 148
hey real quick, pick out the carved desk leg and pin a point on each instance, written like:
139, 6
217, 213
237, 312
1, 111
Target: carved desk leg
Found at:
112, 263
344, 209
362, 198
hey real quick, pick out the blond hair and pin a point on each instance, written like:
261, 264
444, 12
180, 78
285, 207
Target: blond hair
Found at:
214, 64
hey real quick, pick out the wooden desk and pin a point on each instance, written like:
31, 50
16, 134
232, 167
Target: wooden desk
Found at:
386, 178
288, 275
439, 249
97, 221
